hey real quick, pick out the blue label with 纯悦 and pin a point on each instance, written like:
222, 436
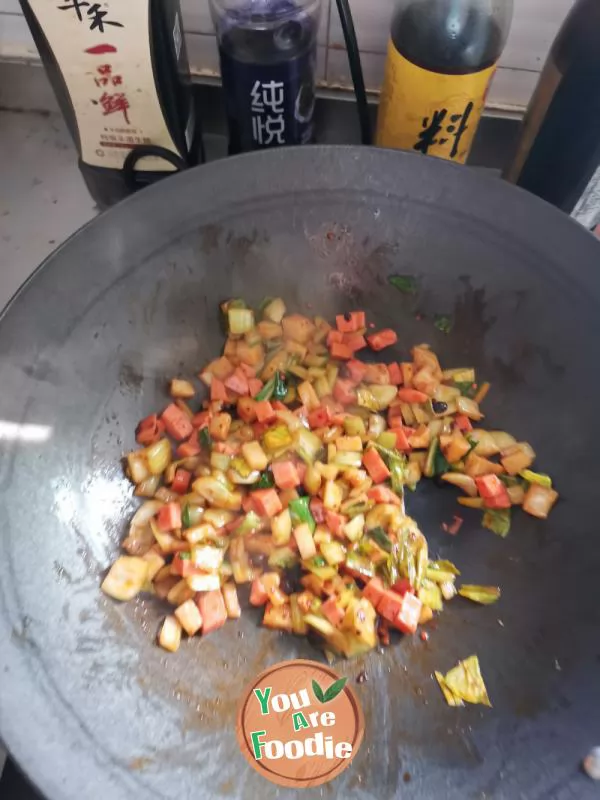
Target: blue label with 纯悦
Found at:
269, 105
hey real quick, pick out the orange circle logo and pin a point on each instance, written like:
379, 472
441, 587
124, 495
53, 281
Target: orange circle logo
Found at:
299, 724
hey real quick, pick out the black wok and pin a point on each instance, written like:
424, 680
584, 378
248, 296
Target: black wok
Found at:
89, 707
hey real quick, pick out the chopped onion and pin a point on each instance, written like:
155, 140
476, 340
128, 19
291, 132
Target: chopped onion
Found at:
145, 513
158, 456
241, 320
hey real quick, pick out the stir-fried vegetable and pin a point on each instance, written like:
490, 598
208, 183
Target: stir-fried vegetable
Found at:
464, 683
291, 477
486, 595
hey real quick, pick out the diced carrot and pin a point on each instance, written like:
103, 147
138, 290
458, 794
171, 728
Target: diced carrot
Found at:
246, 409
356, 370
279, 406
212, 608
395, 419
285, 474
374, 591
265, 411
190, 448
412, 396
355, 341
259, 428
248, 504
218, 391
334, 337
343, 392
169, 517
463, 423
341, 351
490, 486
383, 494
395, 373
353, 321
301, 470
258, 593
148, 422
381, 339
402, 442
332, 611
375, 465
402, 587
149, 430
335, 522
227, 448
254, 386
500, 501
319, 417
266, 502
181, 481
390, 605
201, 419
408, 616
407, 373
238, 382
248, 371
177, 423
317, 509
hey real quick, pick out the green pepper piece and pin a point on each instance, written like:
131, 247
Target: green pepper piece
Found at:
380, 538
407, 284
205, 439
280, 388
267, 390
266, 480
300, 512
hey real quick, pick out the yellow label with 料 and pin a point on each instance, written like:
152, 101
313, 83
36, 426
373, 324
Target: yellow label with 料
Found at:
430, 112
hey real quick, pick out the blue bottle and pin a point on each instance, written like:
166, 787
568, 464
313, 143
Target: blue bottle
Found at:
268, 53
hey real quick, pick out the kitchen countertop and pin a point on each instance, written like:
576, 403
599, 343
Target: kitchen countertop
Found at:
43, 199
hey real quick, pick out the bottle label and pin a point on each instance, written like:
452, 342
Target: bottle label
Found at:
103, 52
430, 112
270, 104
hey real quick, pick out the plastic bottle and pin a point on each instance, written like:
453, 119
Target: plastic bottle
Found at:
441, 58
268, 54
558, 154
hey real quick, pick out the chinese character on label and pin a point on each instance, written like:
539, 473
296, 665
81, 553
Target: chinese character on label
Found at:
106, 76
269, 130
96, 16
268, 122
432, 128
113, 103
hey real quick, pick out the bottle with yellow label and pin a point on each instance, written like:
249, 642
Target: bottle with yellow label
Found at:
441, 58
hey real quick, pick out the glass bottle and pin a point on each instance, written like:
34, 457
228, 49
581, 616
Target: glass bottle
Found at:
268, 54
441, 58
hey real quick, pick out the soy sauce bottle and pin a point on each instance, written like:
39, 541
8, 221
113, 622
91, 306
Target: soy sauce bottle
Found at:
441, 58
558, 154
121, 76
268, 54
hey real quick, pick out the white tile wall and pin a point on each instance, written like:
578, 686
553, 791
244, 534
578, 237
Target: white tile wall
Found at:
534, 26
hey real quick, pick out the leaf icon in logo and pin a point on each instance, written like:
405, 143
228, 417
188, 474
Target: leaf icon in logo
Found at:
318, 692
335, 689
331, 693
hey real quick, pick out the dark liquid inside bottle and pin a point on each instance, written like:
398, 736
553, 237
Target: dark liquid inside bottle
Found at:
268, 72
443, 36
559, 150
